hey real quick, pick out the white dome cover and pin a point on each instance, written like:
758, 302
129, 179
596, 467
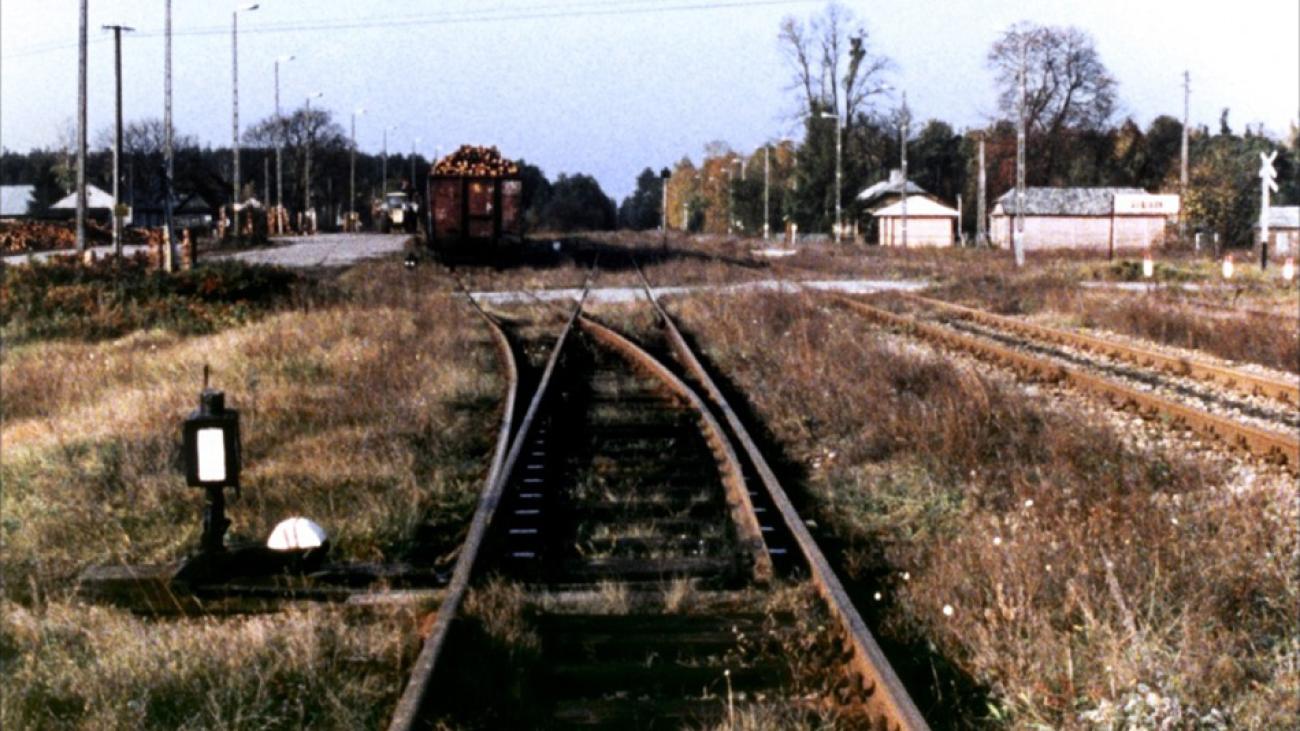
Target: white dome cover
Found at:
296, 534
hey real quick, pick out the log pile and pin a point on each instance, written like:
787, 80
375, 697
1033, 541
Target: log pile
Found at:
476, 162
21, 237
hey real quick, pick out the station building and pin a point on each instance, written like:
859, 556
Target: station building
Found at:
1085, 218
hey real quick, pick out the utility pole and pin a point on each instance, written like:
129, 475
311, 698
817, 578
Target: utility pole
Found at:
731, 196
1018, 232
117, 136
81, 131
306, 163
1182, 175
352, 171
902, 135
961, 235
414, 142
981, 222
280, 215
169, 232
234, 110
767, 194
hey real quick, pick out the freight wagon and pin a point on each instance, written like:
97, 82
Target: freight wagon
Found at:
475, 203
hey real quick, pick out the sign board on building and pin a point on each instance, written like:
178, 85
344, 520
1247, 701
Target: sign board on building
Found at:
1144, 204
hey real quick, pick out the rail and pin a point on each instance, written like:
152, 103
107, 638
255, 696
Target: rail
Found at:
888, 702
1243, 381
1261, 442
414, 695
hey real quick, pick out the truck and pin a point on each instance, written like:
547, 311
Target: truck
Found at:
397, 211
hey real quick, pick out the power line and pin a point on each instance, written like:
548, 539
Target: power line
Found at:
546, 12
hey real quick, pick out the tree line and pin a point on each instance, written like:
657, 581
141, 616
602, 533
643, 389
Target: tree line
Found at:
569, 203
1072, 137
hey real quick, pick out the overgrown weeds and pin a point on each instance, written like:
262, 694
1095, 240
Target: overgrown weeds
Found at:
1059, 559
64, 298
372, 415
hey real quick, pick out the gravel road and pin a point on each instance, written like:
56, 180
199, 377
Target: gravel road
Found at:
322, 250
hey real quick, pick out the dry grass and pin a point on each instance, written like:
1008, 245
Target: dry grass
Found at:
1229, 333
1079, 568
373, 417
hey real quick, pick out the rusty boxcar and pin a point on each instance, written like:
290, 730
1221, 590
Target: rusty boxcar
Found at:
475, 203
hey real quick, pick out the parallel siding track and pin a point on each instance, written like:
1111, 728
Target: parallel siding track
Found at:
1265, 443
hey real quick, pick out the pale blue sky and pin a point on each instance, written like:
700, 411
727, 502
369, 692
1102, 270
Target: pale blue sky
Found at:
606, 93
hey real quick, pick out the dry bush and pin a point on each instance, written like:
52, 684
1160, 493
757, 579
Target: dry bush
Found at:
1080, 568
374, 418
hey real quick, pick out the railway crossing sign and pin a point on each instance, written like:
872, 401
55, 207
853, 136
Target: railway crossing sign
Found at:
1267, 173
1268, 184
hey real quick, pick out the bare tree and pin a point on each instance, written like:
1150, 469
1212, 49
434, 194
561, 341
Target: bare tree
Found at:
1066, 84
832, 65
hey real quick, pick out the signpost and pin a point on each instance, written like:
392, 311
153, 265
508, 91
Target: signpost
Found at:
1268, 184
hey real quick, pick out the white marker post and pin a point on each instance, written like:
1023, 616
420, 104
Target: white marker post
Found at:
1268, 184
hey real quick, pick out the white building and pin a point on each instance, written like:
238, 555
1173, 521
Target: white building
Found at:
929, 223
1283, 230
1085, 218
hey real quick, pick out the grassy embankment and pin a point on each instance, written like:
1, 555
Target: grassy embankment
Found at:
1078, 571
367, 405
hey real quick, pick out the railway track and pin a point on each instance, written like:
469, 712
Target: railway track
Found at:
1035, 351
1233, 378
656, 574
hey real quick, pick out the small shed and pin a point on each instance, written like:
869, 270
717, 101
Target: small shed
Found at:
17, 201
1084, 218
929, 223
1284, 230
99, 204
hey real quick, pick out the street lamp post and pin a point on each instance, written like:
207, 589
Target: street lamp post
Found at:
279, 145
234, 107
352, 170
306, 167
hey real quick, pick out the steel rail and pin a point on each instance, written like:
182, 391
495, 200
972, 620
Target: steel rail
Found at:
887, 701
1239, 380
733, 477
407, 712
1261, 442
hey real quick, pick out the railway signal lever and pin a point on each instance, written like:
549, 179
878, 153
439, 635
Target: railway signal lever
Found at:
211, 452
212, 460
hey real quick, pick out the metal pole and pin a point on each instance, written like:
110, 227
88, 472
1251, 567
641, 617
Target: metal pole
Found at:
1018, 231
767, 195
663, 206
81, 131
839, 173
234, 117
383, 187
981, 221
902, 134
117, 136
170, 254
413, 142
279, 143
1182, 176
306, 167
961, 235
352, 176
731, 197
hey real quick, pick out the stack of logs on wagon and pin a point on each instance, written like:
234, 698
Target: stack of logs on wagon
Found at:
476, 202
